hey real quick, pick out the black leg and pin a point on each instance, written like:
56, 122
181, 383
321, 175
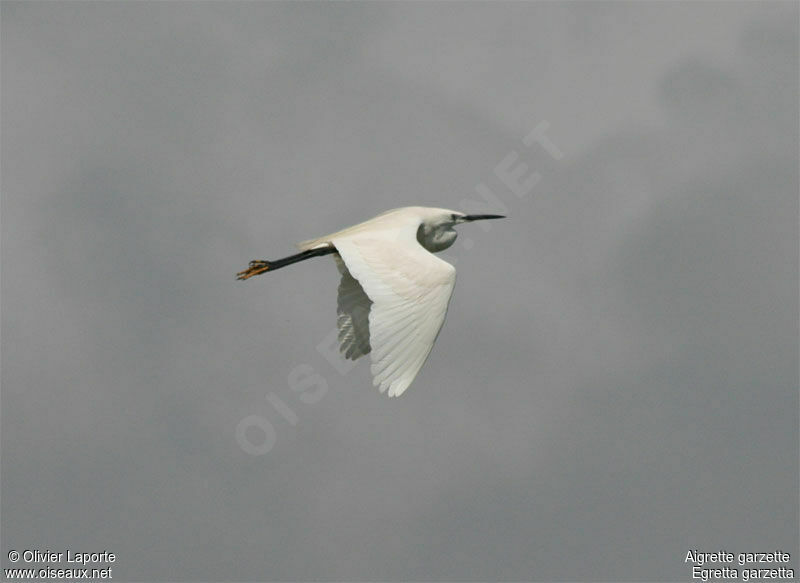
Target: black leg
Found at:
257, 267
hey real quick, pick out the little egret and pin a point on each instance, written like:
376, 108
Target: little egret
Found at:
394, 292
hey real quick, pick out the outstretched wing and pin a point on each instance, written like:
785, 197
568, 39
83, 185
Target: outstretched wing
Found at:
353, 315
410, 290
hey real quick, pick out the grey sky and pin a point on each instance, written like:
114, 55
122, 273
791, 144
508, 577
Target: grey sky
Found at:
617, 379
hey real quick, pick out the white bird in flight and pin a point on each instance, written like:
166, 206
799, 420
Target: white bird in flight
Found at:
394, 292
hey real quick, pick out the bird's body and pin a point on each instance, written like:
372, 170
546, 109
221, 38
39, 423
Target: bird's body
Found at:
394, 292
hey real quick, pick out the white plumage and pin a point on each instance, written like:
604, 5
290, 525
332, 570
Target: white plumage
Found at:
394, 292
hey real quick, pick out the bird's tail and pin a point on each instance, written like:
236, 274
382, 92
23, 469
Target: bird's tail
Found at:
309, 244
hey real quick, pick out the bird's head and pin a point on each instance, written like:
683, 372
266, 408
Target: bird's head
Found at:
436, 231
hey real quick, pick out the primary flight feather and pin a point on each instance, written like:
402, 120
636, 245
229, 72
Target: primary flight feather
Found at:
394, 292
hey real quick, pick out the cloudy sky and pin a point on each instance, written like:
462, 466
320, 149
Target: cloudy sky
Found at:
617, 380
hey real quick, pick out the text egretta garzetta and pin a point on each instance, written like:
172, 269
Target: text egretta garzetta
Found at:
394, 292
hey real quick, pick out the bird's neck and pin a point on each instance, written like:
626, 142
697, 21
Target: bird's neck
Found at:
436, 239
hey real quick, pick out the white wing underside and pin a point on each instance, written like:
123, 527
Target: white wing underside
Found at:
393, 299
352, 315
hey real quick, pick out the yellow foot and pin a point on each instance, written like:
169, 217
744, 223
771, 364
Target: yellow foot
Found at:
256, 268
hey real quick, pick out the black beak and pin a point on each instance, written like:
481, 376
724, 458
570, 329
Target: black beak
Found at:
468, 218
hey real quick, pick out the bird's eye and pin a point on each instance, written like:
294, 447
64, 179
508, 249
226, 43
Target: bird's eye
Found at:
454, 217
